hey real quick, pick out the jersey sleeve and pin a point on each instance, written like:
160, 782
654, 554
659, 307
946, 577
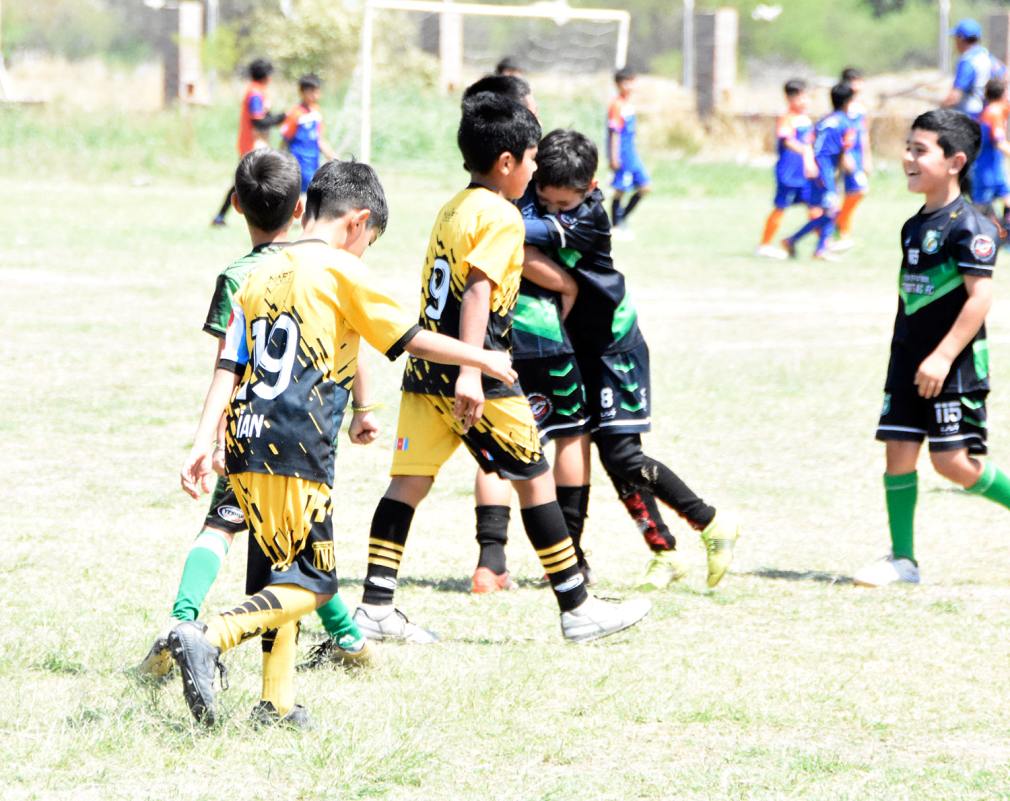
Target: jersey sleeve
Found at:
290, 125
374, 315
964, 78
219, 313
499, 246
235, 353
974, 246
615, 117
784, 128
255, 107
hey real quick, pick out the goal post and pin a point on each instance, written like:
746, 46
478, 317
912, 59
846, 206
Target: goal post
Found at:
556, 10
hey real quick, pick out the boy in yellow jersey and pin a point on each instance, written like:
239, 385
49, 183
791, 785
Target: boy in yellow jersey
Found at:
468, 289
293, 342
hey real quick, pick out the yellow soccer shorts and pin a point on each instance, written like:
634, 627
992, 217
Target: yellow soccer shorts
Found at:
291, 532
504, 441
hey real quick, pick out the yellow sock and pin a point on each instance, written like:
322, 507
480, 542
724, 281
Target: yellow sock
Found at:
268, 609
772, 225
279, 647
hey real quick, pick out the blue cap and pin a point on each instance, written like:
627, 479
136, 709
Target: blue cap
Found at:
967, 29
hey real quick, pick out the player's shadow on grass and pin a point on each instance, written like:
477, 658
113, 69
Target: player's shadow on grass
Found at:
459, 584
799, 575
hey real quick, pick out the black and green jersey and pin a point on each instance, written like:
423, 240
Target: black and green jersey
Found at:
603, 320
228, 283
938, 249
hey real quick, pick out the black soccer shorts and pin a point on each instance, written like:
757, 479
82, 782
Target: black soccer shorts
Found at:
618, 393
224, 513
557, 395
950, 421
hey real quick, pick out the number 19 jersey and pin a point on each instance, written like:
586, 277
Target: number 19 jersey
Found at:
293, 337
477, 228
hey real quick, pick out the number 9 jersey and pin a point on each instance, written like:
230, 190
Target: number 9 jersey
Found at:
293, 337
477, 228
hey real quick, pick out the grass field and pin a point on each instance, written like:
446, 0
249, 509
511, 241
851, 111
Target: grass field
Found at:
784, 683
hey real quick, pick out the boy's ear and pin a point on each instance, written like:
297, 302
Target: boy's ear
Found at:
360, 217
592, 185
235, 204
299, 210
505, 163
958, 160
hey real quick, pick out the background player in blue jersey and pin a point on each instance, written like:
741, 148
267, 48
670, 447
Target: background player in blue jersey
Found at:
794, 136
303, 130
833, 138
974, 69
857, 178
938, 372
629, 172
989, 180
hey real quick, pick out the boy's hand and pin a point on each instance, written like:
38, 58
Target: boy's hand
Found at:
364, 428
810, 171
848, 164
931, 374
195, 473
468, 405
498, 364
217, 462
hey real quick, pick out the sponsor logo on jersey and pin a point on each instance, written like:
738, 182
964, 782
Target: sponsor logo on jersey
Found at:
402, 443
230, 513
540, 405
982, 247
913, 256
249, 425
930, 242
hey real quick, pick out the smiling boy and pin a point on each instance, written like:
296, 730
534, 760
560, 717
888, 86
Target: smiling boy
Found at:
938, 374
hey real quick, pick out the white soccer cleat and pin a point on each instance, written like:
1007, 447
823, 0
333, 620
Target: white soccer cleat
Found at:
595, 618
389, 623
771, 252
887, 570
841, 244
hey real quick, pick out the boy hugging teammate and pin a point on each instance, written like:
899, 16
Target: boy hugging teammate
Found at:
470, 283
938, 374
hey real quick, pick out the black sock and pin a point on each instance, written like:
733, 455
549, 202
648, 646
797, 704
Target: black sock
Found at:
545, 527
668, 487
226, 205
643, 509
615, 210
635, 198
390, 526
574, 503
492, 534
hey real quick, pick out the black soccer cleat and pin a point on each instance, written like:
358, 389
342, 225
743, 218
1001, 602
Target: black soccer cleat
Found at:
198, 661
265, 714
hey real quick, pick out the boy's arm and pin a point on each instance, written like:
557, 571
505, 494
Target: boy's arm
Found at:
364, 427
198, 465
474, 311
933, 371
544, 272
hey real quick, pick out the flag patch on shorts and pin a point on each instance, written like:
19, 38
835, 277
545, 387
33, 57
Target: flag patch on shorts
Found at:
402, 443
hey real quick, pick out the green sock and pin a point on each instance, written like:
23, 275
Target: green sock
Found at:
993, 484
337, 621
901, 492
204, 561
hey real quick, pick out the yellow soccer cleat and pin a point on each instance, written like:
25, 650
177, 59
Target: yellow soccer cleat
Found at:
720, 537
663, 569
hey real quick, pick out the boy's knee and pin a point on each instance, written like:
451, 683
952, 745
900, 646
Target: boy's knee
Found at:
621, 456
410, 490
956, 466
323, 598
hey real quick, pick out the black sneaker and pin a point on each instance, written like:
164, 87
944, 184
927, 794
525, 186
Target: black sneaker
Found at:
347, 652
198, 661
265, 714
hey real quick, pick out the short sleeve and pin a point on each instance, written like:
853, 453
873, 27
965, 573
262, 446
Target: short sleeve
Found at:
378, 318
499, 247
785, 129
615, 117
290, 125
964, 78
974, 248
255, 106
235, 353
219, 313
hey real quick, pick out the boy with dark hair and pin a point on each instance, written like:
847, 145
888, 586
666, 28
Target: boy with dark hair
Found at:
989, 180
856, 178
302, 130
794, 136
508, 85
629, 172
613, 357
833, 140
469, 287
255, 120
509, 65
266, 194
938, 373
293, 340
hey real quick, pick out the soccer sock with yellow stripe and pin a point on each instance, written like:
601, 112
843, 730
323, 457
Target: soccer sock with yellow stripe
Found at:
279, 650
993, 484
902, 491
202, 565
386, 540
270, 608
545, 526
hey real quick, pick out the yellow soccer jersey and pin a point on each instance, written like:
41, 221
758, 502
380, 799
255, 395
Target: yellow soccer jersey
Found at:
293, 337
477, 228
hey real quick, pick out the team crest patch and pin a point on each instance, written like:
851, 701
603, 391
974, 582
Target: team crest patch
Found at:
930, 242
322, 556
540, 405
913, 256
982, 247
230, 513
